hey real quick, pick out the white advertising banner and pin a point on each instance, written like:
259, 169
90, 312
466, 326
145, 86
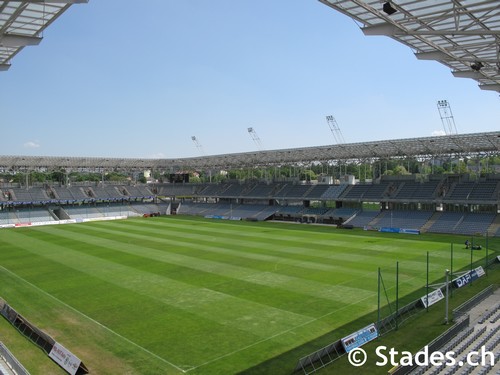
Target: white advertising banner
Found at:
360, 337
64, 358
468, 277
480, 271
434, 297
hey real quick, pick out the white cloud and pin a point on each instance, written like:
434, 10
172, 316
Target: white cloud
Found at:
32, 144
436, 133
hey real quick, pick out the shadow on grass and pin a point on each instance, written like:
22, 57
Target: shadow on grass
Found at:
285, 363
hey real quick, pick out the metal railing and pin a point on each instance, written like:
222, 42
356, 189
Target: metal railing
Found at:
12, 361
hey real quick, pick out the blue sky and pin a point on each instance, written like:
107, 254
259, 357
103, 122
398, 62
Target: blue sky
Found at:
122, 78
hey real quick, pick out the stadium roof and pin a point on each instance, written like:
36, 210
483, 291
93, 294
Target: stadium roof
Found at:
23, 22
461, 34
461, 145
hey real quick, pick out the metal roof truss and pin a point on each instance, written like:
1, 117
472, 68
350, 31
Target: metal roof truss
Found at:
461, 34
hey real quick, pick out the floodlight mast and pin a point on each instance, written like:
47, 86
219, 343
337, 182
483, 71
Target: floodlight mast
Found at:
255, 138
198, 145
447, 117
334, 128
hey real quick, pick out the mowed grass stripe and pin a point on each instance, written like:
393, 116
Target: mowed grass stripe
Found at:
256, 232
117, 276
250, 231
236, 248
323, 245
229, 251
287, 234
98, 347
334, 291
208, 304
347, 270
230, 337
144, 320
409, 278
409, 281
310, 255
412, 261
138, 247
282, 299
362, 249
263, 248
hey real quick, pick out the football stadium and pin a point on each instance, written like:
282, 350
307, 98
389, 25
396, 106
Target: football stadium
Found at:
286, 261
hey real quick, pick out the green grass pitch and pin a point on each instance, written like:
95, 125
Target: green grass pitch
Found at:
187, 295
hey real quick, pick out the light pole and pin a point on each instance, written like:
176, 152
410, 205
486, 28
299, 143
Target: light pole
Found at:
446, 273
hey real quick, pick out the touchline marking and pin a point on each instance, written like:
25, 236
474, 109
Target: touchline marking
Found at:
94, 321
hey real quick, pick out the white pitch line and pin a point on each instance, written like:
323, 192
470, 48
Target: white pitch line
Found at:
283, 332
276, 335
94, 321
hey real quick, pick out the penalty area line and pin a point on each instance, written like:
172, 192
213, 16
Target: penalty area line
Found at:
95, 321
